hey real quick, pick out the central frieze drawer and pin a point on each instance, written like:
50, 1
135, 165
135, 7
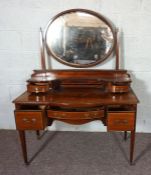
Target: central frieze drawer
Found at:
120, 121
30, 120
76, 114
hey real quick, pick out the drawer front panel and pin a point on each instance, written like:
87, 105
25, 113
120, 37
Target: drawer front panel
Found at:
117, 88
75, 115
37, 88
122, 121
30, 120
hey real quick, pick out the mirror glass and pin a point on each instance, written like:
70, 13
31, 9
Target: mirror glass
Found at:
79, 38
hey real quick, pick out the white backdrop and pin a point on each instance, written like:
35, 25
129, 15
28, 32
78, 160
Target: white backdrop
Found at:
19, 50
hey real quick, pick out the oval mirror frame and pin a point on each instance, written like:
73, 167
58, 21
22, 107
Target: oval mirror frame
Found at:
81, 45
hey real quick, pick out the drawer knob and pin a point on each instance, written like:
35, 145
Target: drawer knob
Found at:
95, 114
55, 114
124, 122
29, 120
26, 120
86, 115
33, 120
36, 89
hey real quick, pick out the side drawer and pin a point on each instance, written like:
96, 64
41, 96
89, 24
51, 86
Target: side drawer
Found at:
120, 121
76, 114
37, 88
30, 120
119, 88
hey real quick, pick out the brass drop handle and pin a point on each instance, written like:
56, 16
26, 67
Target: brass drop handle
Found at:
59, 115
55, 114
91, 114
118, 121
26, 120
36, 89
95, 114
33, 120
86, 115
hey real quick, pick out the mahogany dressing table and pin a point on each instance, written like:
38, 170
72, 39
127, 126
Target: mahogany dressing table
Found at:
79, 38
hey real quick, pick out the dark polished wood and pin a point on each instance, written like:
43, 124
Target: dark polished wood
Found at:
132, 142
105, 23
38, 133
23, 145
125, 135
113, 80
77, 100
77, 96
117, 49
42, 50
67, 97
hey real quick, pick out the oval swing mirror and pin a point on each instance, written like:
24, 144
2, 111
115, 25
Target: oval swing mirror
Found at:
79, 38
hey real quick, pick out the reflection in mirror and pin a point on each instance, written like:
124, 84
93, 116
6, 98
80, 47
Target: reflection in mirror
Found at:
79, 39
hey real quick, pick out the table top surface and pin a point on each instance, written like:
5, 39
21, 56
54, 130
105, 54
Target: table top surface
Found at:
77, 97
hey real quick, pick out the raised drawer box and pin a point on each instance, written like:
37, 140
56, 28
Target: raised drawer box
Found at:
30, 119
120, 121
75, 115
37, 88
119, 89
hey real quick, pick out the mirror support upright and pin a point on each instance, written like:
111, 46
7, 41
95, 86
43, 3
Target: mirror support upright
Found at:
42, 50
117, 48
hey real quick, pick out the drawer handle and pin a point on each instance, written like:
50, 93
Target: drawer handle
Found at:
124, 122
63, 114
33, 120
86, 115
95, 114
26, 120
37, 89
55, 114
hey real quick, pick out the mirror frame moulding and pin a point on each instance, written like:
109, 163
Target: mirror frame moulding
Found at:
96, 14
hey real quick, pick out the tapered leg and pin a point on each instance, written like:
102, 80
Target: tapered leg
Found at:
38, 133
125, 135
23, 145
132, 143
